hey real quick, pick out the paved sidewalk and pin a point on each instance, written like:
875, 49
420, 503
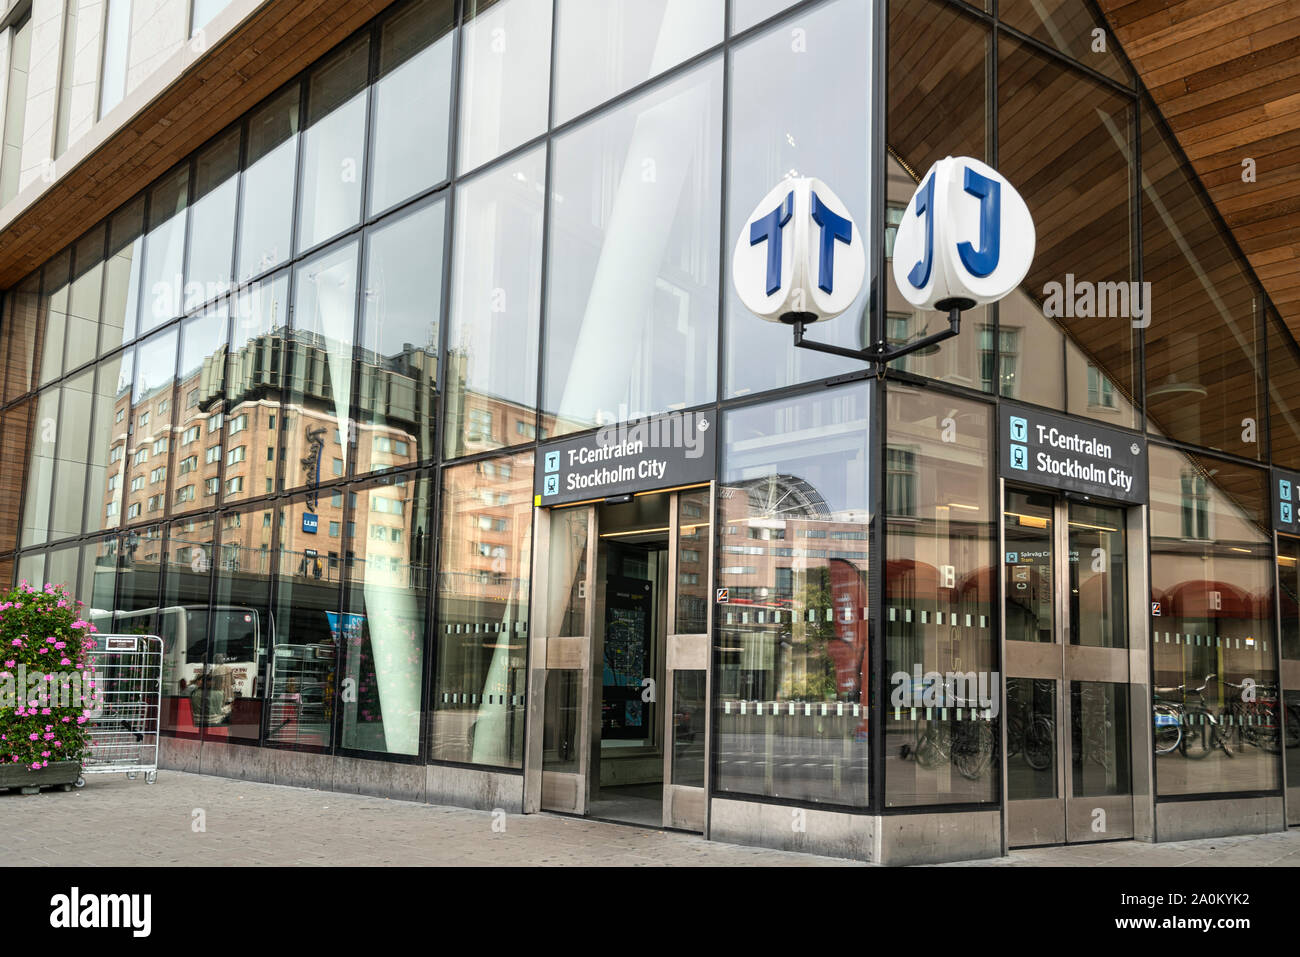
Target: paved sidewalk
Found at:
114, 821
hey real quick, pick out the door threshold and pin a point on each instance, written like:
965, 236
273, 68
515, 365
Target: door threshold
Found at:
610, 820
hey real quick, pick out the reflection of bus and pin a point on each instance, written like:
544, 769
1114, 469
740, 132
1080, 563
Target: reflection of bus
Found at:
211, 677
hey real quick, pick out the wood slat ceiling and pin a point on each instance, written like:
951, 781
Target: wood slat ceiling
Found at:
265, 51
1226, 76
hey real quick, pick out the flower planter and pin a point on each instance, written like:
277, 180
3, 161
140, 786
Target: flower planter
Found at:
63, 774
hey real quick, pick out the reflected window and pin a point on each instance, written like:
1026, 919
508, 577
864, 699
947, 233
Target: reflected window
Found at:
939, 736
122, 276
505, 56
266, 210
782, 124
333, 164
645, 249
161, 289
412, 118
1214, 670
399, 339
212, 233
496, 295
603, 48
383, 619
791, 645
482, 635
254, 380
320, 366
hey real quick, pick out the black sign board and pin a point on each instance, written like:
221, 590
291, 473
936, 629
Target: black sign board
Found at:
662, 451
1071, 454
1286, 501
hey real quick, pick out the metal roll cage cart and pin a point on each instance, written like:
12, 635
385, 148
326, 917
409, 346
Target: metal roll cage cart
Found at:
124, 725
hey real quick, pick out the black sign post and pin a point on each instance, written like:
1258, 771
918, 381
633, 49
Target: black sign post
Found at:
663, 451
1073, 455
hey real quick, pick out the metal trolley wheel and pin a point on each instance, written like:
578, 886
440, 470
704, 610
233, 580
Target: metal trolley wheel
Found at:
79, 783
130, 775
150, 777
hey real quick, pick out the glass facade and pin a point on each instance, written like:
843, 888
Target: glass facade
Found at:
284, 407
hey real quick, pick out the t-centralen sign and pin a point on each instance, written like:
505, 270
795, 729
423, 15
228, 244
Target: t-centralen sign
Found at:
662, 451
1077, 456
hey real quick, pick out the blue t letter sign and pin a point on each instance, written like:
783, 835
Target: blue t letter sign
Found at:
769, 228
833, 227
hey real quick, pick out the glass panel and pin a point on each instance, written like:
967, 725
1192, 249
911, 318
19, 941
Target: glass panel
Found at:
40, 469
164, 251
1031, 739
61, 568
479, 693
198, 689
567, 555
1288, 579
98, 579
306, 629
1214, 665
940, 727
560, 749
1030, 566
1077, 313
1072, 27
71, 475
67, 68
54, 316
83, 299
1099, 729
333, 166
783, 124
31, 569
945, 116
1283, 393
149, 428
241, 624
694, 534
643, 247
1204, 349
399, 340
792, 641
383, 625
253, 383
212, 227
117, 38
689, 704
412, 103
199, 408
505, 59
138, 580
603, 48
1098, 571
22, 308
123, 276
266, 211
495, 303
320, 369
105, 496
320, 385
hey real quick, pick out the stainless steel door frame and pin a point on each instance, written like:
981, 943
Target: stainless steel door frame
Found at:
684, 806
1066, 818
559, 790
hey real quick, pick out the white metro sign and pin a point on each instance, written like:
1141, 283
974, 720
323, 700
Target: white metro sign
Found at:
800, 256
965, 238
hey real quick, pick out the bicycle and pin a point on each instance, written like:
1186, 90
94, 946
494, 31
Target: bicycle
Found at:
1257, 718
1203, 730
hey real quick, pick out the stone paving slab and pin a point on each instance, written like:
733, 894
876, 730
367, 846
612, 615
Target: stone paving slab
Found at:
113, 821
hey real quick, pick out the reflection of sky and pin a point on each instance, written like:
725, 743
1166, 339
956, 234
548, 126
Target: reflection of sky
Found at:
822, 441
403, 291
800, 106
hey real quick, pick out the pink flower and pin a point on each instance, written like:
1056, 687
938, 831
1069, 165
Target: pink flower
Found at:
10, 663
33, 736
17, 642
